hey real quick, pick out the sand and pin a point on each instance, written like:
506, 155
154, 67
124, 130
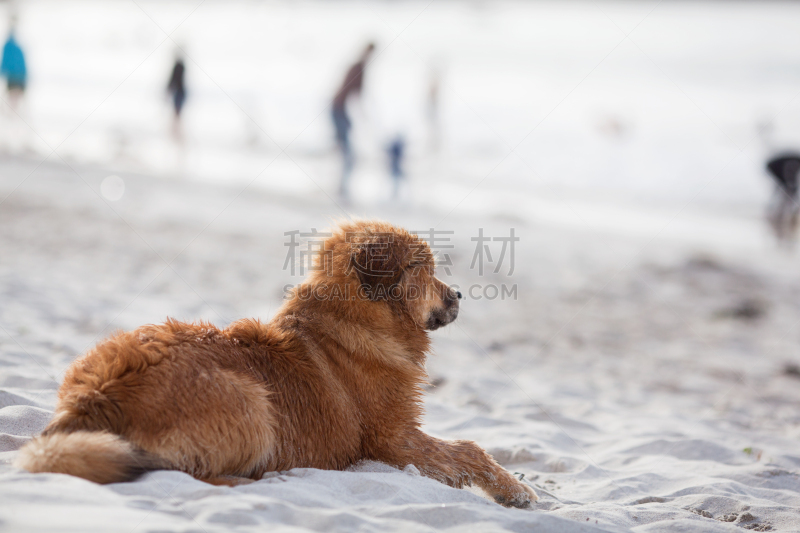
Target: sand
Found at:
643, 370
638, 383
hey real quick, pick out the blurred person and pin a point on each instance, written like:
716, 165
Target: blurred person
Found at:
432, 110
177, 90
784, 209
13, 68
352, 84
396, 151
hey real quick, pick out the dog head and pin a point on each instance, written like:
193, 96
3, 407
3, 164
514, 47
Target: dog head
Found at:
380, 264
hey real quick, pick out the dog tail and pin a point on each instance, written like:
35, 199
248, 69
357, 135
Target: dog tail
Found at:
98, 456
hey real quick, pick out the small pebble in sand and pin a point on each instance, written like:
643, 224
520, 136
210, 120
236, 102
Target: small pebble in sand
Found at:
791, 370
748, 310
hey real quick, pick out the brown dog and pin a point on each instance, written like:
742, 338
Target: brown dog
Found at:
333, 379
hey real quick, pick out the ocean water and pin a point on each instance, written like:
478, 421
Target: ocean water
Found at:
574, 112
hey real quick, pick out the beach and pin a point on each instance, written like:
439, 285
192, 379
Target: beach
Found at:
638, 384
590, 177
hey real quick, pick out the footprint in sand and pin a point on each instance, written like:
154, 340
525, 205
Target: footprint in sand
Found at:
746, 520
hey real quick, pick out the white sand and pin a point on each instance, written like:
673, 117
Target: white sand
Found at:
620, 382
626, 381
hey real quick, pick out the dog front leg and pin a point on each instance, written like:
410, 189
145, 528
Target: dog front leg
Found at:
458, 464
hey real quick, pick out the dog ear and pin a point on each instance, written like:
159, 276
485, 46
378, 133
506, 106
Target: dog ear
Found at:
377, 264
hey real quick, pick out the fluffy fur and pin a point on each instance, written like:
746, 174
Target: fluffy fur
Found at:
333, 379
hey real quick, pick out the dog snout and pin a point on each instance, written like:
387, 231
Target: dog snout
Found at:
451, 298
447, 312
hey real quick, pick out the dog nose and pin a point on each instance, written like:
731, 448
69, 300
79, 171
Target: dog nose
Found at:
458, 294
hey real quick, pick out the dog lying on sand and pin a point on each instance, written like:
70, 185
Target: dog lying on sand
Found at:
334, 378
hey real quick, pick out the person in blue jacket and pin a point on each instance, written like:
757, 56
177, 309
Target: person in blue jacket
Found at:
13, 67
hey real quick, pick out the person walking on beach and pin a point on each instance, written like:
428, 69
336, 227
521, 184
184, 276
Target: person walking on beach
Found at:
177, 90
13, 68
352, 84
396, 151
784, 210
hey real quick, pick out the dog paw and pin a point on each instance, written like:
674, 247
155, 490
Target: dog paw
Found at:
531, 493
520, 500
